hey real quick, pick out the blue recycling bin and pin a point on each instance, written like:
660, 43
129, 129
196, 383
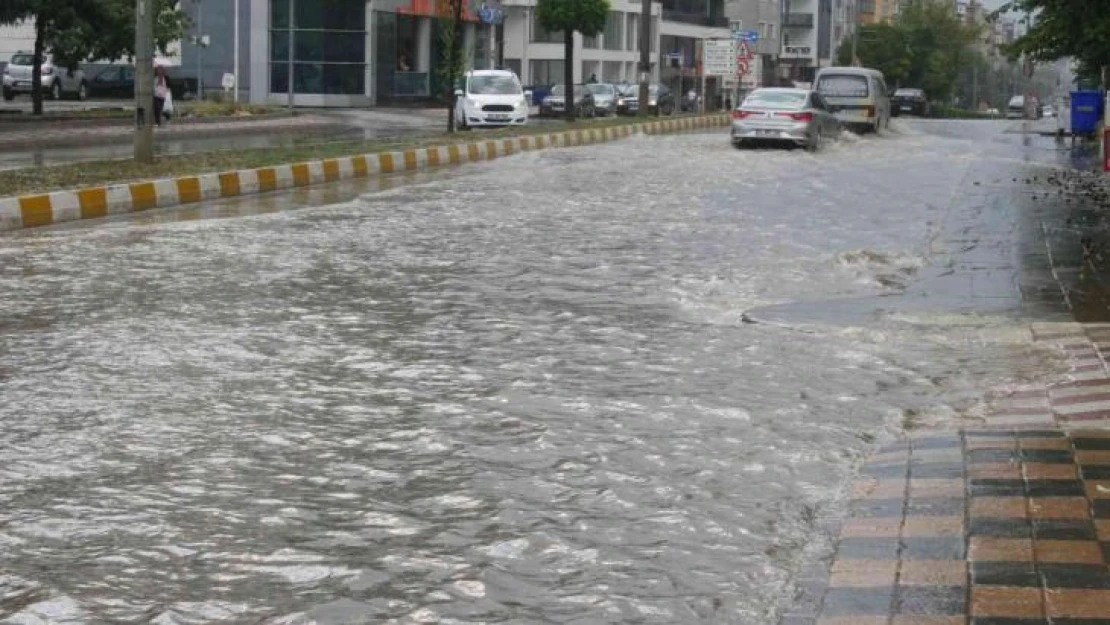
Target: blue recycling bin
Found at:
1086, 112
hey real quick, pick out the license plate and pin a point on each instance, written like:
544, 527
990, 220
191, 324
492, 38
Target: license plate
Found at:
907, 108
17, 84
766, 133
497, 116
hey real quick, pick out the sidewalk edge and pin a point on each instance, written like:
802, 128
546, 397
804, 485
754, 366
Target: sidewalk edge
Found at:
48, 209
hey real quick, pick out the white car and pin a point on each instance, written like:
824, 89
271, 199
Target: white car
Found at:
56, 81
490, 98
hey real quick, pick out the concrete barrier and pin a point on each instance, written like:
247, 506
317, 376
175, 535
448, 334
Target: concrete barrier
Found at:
46, 209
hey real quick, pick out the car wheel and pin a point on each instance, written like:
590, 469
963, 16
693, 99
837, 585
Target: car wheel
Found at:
83, 91
815, 143
740, 144
9, 95
56, 90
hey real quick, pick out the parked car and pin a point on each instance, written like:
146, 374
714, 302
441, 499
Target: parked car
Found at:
1048, 111
858, 95
660, 100
793, 117
555, 103
57, 82
605, 98
490, 97
912, 101
118, 81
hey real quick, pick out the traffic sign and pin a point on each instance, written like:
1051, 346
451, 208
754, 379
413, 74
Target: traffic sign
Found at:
743, 51
750, 36
742, 67
719, 57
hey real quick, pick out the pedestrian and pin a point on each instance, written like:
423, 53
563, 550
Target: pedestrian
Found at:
593, 79
161, 92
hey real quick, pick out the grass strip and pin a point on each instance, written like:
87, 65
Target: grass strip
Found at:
107, 172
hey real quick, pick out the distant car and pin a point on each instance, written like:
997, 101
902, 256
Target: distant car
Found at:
605, 98
912, 101
660, 100
490, 97
57, 82
1016, 108
118, 81
793, 117
555, 103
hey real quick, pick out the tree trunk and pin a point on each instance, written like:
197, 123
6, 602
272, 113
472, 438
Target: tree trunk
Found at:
36, 70
455, 56
568, 73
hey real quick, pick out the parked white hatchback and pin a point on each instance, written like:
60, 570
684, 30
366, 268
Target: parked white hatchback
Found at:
490, 97
57, 82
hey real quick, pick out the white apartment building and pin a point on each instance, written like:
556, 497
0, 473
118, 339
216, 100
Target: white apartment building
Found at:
16, 38
800, 26
537, 55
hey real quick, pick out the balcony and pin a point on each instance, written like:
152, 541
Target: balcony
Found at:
699, 12
797, 20
695, 18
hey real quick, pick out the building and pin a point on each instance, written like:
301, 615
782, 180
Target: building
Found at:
765, 18
537, 55
16, 38
684, 26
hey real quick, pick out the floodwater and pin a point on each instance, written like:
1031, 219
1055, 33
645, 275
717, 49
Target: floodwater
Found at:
526, 392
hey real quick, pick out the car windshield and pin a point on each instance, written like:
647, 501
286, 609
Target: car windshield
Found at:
776, 99
843, 86
601, 89
494, 85
23, 59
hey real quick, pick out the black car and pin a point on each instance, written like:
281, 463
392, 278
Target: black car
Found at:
555, 103
660, 100
909, 101
118, 81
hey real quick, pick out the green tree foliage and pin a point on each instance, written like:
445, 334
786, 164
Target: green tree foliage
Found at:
75, 32
454, 62
584, 16
1065, 28
927, 47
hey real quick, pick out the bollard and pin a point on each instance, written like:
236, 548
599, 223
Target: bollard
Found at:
1106, 149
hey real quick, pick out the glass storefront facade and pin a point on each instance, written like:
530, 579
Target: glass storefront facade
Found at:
329, 47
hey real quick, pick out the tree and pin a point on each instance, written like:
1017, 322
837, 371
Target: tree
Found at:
75, 32
929, 47
1064, 28
584, 16
454, 60
883, 47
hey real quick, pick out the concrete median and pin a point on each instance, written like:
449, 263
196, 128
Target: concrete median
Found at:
46, 209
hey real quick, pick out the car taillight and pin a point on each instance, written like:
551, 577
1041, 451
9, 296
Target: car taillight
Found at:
798, 117
737, 114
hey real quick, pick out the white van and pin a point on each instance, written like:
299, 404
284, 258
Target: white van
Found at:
858, 95
490, 97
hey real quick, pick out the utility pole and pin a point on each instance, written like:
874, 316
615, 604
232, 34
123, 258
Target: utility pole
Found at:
144, 81
645, 56
292, 25
235, 55
854, 12
199, 45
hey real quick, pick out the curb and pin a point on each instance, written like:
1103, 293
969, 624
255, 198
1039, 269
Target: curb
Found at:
47, 209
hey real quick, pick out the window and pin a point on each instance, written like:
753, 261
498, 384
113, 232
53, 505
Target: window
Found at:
633, 34
654, 34
547, 72
329, 47
590, 43
612, 71
514, 66
614, 34
542, 35
766, 30
770, 31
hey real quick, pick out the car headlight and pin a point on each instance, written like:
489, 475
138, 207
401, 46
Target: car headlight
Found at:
652, 102
620, 102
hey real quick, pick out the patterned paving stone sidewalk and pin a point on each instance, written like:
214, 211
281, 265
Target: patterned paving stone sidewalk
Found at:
1003, 522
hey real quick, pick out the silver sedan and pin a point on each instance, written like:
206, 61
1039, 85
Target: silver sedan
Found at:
795, 117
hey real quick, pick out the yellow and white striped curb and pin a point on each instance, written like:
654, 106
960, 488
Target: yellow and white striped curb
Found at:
33, 211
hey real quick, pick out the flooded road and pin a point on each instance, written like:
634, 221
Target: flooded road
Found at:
527, 392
